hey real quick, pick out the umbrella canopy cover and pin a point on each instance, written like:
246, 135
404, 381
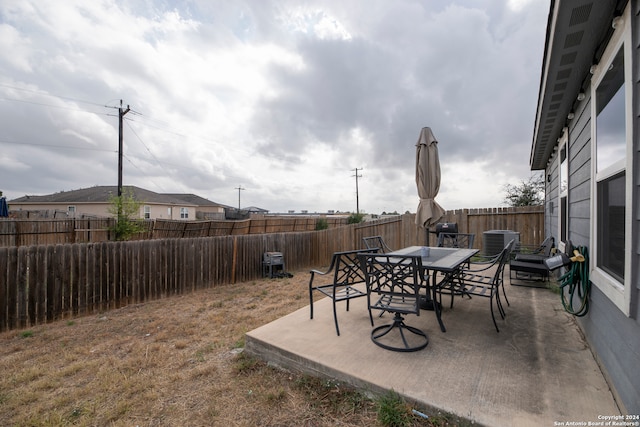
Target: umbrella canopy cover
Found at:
4, 208
428, 179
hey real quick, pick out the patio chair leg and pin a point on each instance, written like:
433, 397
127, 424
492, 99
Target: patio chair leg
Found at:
335, 316
505, 294
499, 304
492, 315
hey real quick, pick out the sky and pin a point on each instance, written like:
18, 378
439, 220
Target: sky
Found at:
273, 104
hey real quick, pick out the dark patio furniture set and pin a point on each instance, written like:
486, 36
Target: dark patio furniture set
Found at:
398, 282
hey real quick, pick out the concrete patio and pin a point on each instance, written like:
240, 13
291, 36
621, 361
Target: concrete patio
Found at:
537, 371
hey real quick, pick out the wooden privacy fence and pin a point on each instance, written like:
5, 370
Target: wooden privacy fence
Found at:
42, 283
24, 232
527, 220
259, 225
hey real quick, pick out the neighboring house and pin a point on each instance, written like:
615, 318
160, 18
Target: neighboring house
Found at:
95, 201
586, 139
255, 210
206, 209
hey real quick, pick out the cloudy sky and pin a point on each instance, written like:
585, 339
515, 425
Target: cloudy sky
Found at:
284, 99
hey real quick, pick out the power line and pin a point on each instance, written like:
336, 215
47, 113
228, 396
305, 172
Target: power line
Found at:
146, 147
136, 166
60, 107
68, 147
67, 98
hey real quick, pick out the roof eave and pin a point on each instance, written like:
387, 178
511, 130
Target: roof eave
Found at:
577, 32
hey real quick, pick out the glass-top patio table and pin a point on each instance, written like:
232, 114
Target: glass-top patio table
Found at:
439, 260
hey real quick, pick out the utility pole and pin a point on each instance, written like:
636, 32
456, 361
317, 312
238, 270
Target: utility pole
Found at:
357, 195
239, 188
121, 113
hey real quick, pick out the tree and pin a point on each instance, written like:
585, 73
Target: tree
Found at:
527, 193
126, 210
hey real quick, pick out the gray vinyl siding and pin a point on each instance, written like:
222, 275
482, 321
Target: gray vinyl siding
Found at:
580, 174
551, 194
614, 338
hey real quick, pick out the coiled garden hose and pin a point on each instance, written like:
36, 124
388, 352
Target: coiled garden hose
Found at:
576, 280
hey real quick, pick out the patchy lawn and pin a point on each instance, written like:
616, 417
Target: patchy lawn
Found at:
171, 362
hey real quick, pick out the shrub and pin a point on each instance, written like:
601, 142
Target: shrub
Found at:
321, 224
355, 218
125, 208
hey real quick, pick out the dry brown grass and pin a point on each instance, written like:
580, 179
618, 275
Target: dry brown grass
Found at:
171, 362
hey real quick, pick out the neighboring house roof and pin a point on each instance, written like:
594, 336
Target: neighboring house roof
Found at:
577, 34
102, 194
196, 200
255, 209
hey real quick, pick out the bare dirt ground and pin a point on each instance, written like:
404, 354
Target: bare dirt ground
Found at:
170, 362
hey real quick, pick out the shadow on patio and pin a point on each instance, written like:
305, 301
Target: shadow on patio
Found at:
537, 371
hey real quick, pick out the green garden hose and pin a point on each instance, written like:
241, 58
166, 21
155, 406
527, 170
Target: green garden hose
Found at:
576, 280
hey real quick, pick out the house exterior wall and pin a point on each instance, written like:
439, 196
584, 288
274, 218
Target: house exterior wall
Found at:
613, 335
157, 211
91, 209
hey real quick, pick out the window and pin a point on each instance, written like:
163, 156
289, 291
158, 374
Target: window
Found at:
184, 213
610, 116
563, 189
71, 211
611, 210
611, 169
610, 173
147, 212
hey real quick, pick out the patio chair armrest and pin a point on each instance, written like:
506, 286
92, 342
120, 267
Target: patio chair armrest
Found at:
318, 272
484, 259
471, 270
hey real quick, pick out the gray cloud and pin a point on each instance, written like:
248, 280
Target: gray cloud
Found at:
283, 98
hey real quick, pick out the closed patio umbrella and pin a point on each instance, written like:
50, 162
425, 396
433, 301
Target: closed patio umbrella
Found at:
4, 208
428, 180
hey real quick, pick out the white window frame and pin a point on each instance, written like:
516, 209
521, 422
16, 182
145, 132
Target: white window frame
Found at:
147, 212
184, 213
564, 139
71, 211
618, 293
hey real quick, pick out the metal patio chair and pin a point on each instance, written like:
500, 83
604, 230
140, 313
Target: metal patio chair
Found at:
456, 240
528, 263
483, 279
347, 274
376, 243
393, 285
